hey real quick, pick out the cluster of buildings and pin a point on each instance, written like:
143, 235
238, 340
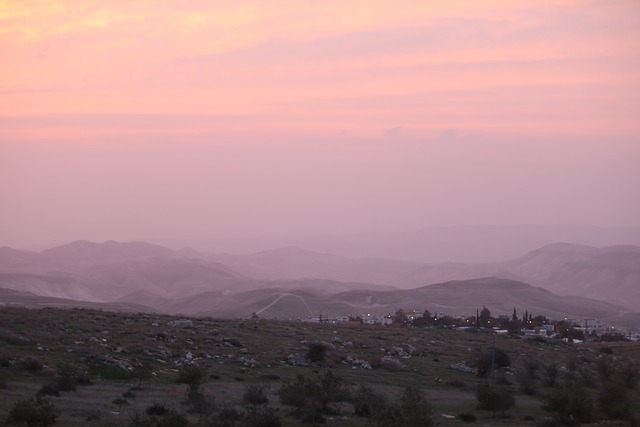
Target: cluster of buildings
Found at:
570, 329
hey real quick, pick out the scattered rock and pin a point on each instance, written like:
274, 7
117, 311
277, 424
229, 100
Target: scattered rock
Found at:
462, 367
181, 323
231, 342
392, 364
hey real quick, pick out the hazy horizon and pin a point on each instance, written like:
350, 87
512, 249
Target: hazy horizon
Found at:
156, 121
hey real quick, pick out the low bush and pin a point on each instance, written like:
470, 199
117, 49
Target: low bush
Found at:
31, 365
571, 405
33, 412
317, 352
485, 360
169, 418
467, 417
255, 394
49, 390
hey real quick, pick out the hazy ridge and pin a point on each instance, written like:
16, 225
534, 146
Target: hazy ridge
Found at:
556, 280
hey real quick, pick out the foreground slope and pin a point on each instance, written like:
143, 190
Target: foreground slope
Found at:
100, 347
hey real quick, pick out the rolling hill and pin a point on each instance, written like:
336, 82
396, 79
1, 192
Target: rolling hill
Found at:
455, 297
610, 274
190, 282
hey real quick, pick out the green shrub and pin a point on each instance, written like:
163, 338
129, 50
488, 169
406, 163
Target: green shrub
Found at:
494, 398
169, 418
108, 372
551, 373
255, 394
119, 401
191, 375
317, 352
366, 401
416, 411
629, 373
156, 409
614, 401
467, 417
526, 384
571, 405
263, 417
31, 365
33, 412
228, 417
313, 397
48, 390
484, 360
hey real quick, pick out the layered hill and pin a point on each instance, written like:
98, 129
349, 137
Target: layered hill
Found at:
455, 297
610, 274
110, 271
10, 297
291, 263
190, 282
138, 272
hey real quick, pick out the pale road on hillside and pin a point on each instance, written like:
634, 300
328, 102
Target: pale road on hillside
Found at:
282, 296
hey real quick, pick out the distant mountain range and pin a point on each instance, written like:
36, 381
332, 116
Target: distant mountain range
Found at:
555, 280
459, 243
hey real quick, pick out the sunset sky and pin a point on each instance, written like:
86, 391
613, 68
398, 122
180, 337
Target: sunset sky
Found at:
142, 119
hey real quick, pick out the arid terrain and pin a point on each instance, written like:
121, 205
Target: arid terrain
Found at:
107, 369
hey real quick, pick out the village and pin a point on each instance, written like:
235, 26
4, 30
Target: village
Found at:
574, 330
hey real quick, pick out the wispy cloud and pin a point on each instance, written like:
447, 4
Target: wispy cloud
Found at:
394, 131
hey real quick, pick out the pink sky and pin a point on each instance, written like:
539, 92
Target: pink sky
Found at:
162, 119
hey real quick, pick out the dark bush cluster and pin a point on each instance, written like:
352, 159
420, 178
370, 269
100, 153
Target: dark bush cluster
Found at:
485, 360
571, 406
492, 397
158, 415
412, 409
67, 378
33, 412
312, 398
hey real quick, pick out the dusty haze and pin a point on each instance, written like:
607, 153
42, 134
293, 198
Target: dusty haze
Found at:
152, 121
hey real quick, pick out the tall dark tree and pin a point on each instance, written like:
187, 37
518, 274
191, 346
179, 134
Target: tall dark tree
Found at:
485, 317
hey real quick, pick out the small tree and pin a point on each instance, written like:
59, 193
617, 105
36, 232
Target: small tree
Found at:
194, 376
400, 318
367, 402
295, 393
494, 398
551, 372
191, 375
485, 360
485, 318
141, 372
311, 398
531, 367
416, 411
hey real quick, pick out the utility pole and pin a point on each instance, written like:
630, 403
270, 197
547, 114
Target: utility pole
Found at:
493, 358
